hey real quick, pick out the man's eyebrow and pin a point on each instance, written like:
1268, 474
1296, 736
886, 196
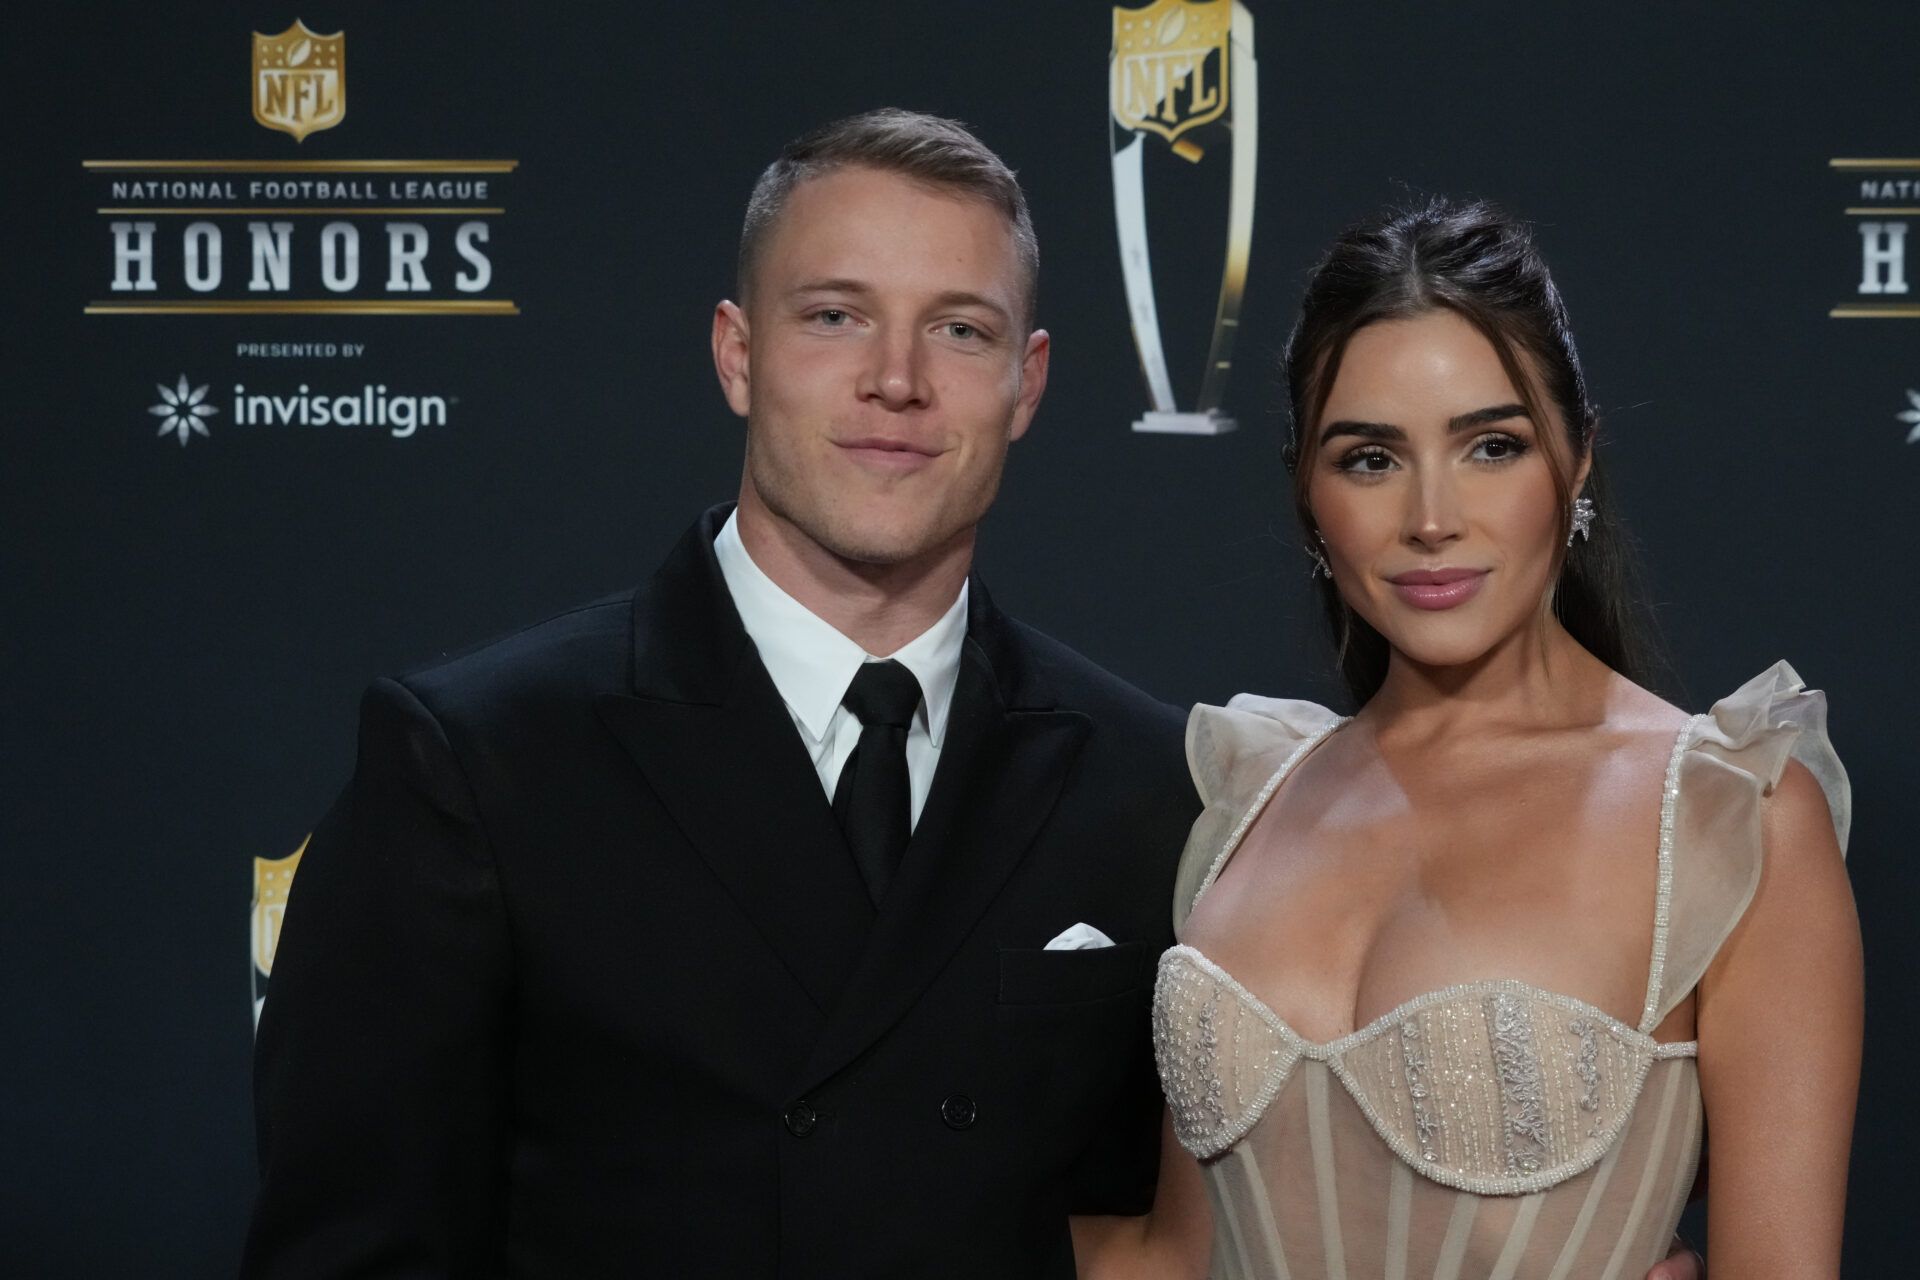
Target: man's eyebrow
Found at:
1456, 424
963, 298
834, 285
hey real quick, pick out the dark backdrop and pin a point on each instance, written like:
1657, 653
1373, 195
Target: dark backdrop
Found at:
187, 628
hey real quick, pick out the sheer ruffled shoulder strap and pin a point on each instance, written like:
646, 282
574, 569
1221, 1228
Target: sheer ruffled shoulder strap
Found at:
1732, 762
1237, 754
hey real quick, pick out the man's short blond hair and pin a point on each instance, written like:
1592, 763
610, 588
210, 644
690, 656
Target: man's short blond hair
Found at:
927, 149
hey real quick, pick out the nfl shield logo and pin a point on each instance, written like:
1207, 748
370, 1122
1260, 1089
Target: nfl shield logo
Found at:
272, 880
300, 80
1169, 69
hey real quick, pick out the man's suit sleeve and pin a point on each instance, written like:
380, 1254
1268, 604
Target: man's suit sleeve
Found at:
380, 1073
1117, 1172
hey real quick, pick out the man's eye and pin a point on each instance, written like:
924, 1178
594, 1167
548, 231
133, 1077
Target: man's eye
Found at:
833, 317
962, 330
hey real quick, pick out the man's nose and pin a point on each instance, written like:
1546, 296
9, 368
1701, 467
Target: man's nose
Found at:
896, 375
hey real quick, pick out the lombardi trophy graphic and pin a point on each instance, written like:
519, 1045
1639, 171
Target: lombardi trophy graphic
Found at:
1178, 65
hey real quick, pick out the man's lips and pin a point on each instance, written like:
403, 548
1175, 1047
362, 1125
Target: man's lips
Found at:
1437, 588
889, 452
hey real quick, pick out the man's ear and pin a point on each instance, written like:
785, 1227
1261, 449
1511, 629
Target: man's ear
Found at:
730, 356
1033, 381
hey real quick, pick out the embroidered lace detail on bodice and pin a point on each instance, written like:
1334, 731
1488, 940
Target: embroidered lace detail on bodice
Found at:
1493, 1087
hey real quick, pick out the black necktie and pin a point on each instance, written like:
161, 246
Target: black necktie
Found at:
871, 799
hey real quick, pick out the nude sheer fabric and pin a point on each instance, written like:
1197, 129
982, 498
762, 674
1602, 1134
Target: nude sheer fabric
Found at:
1490, 1129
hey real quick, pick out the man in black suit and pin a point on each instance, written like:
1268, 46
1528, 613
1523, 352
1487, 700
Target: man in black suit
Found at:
705, 931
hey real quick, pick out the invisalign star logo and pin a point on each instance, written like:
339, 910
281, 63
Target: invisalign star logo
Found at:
184, 414
1912, 416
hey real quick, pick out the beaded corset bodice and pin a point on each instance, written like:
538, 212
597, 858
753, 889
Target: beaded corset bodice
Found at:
1493, 1087
1492, 1128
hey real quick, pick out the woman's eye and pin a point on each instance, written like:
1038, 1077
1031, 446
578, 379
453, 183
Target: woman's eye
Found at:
1498, 448
1366, 462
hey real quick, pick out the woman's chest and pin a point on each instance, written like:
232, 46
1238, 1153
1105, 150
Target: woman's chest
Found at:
1336, 916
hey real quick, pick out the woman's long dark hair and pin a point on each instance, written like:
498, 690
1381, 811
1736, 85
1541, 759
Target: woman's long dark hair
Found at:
1474, 260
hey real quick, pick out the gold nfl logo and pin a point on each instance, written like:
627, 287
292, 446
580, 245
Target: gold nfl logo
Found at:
300, 80
272, 881
1170, 63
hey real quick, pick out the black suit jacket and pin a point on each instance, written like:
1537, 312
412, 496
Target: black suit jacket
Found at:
578, 977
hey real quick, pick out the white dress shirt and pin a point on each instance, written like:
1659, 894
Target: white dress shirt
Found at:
812, 664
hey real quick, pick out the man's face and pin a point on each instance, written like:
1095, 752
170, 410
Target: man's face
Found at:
883, 364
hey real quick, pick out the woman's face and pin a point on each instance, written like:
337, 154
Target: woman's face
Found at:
1433, 490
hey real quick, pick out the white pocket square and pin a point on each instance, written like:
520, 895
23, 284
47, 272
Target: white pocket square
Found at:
1081, 937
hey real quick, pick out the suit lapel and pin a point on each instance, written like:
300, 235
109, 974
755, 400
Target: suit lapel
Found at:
710, 732
1001, 770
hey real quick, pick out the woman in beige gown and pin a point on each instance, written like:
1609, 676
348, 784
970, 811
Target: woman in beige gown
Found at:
1463, 980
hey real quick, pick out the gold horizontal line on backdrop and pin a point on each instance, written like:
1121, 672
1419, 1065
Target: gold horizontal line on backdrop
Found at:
1876, 311
1873, 164
310, 166
310, 307
1874, 208
495, 209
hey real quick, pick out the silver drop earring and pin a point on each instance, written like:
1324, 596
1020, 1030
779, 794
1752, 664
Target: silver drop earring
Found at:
1321, 569
1583, 513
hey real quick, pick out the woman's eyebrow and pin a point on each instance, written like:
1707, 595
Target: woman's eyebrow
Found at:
1481, 417
1365, 430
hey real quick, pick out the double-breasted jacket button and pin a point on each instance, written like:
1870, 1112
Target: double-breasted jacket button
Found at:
958, 1111
800, 1118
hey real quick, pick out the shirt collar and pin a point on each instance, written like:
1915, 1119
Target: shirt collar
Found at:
812, 663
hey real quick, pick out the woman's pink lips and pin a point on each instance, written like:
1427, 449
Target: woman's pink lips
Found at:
1438, 588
